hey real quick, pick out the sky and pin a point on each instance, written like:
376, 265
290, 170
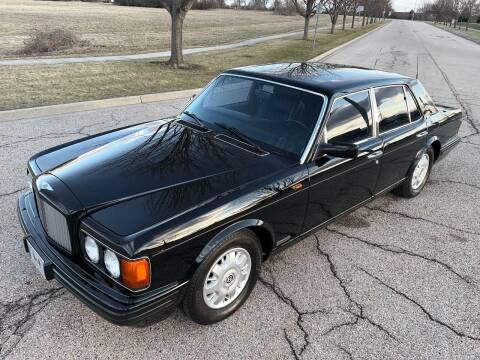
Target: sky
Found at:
404, 5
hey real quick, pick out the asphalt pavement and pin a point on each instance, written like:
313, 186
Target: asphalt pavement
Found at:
396, 279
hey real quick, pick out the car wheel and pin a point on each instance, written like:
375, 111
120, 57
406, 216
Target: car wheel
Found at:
418, 176
225, 279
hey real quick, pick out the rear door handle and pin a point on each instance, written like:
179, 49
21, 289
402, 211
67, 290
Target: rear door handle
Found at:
375, 154
422, 134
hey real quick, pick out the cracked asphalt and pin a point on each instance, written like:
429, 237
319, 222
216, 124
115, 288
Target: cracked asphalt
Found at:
396, 279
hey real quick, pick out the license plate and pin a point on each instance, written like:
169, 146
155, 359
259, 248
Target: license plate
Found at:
37, 260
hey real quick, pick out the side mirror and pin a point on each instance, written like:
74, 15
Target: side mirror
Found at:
338, 149
193, 97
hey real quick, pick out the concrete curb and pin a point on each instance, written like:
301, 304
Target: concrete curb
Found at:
50, 110
334, 50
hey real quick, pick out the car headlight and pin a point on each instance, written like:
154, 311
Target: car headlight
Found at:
111, 263
92, 250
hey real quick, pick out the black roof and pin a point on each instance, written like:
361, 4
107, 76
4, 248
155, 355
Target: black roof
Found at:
328, 79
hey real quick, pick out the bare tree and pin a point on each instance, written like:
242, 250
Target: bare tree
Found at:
346, 6
468, 7
178, 10
354, 12
307, 9
333, 9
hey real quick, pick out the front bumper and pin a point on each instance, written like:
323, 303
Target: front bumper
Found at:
116, 306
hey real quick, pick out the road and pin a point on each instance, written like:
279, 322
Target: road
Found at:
396, 279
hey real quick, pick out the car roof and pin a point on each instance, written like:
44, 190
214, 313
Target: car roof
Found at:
328, 79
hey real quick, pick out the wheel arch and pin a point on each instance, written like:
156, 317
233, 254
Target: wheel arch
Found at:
436, 145
261, 229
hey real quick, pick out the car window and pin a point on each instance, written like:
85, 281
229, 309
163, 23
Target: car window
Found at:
392, 107
415, 113
275, 117
233, 90
425, 101
350, 119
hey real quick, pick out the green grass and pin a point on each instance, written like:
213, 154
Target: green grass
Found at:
39, 85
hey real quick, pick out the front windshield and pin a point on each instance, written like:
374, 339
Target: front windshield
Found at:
275, 117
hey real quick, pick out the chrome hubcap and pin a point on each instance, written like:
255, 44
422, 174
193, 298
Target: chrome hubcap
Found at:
420, 171
227, 277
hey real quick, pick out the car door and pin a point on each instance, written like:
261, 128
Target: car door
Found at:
402, 128
338, 184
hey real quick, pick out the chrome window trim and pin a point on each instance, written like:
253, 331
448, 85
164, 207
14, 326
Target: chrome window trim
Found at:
373, 134
376, 114
119, 255
318, 123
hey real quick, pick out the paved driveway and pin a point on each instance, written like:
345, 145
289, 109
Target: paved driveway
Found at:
395, 279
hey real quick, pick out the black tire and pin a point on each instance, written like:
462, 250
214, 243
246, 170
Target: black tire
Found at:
194, 304
406, 189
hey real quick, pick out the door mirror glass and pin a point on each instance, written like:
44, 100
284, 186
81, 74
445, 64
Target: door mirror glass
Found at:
338, 149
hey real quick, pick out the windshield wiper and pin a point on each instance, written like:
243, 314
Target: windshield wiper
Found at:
198, 121
240, 136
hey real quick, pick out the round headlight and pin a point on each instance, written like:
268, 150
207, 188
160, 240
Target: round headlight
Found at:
111, 263
92, 250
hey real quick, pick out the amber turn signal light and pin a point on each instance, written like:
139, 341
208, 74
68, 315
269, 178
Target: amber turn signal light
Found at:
135, 273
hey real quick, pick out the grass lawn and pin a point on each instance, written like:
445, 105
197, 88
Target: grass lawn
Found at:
38, 85
115, 29
472, 33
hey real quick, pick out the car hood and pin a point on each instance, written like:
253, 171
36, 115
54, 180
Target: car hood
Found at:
159, 170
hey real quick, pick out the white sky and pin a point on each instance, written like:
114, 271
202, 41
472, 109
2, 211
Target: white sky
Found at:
405, 5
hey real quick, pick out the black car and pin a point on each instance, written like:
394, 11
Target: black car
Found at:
136, 220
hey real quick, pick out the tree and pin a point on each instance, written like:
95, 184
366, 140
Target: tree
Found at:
333, 8
178, 10
468, 7
354, 12
307, 9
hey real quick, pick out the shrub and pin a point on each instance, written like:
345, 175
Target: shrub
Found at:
47, 41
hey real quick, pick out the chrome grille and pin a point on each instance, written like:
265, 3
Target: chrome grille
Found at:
55, 225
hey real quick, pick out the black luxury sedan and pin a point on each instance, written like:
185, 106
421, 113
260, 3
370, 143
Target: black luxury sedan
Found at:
184, 210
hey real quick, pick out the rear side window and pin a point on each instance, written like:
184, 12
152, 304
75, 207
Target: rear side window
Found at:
392, 107
350, 119
415, 114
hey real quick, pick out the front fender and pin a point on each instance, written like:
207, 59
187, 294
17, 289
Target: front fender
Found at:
242, 224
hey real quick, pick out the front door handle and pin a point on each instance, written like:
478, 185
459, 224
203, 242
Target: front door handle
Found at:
375, 154
422, 134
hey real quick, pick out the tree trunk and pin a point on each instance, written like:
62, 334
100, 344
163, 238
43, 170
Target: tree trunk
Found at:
334, 22
353, 18
344, 20
467, 24
305, 27
176, 56
364, 16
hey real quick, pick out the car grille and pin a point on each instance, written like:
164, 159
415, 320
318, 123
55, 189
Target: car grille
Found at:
54, 224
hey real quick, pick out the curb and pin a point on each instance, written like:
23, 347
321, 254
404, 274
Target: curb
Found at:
335, 49
50, 110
